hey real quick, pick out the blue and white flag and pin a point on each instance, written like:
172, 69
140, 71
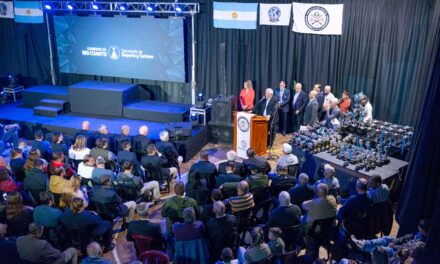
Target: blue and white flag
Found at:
6, 9
28, 12
235, 15
275, 14
317, 18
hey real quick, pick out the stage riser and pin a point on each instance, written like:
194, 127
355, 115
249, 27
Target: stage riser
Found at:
32, 96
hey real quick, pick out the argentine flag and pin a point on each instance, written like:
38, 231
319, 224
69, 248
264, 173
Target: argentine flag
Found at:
235, 15
28, 12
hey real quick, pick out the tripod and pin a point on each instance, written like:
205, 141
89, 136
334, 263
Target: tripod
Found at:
272, 133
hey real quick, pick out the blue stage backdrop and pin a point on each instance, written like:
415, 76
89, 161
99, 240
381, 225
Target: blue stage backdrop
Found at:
140, 48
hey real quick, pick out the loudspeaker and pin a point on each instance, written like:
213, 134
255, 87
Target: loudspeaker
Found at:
221, 133
222, 109
179, 131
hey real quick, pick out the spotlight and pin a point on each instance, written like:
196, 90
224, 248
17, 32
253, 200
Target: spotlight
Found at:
178, 9
150, 8
200, 97
194, 117
47, 7
95, 6
122, 7
69, 6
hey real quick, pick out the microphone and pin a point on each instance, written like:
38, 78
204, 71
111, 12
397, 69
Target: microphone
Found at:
261, 100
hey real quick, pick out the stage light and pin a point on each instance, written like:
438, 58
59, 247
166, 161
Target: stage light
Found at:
122, 7
178, 9
47, 7
95, 6
69, 6
200, 97
150, 8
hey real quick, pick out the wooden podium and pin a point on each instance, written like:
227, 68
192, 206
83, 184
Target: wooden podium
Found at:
258, 129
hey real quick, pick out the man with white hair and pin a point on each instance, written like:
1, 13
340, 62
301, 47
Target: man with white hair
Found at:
330, 180
311, 110
85, 131
286, 214
231, 156
94, 255
104, 133
123, 137
302, 191
168, 149
299, 103
288, 158
323, 206
268, 107
333, 114
220, 228
141, 142
328, 97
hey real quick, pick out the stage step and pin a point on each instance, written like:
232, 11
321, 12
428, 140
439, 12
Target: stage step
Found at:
47, 111
55, 103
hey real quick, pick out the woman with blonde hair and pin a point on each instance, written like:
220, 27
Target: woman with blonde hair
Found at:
58, 184
247, 96
73, 190
79, 150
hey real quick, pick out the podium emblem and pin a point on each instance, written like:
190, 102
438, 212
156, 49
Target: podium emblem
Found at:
243, 124
243, 144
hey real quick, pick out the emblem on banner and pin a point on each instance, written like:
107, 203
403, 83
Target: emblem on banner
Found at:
317, 18
274, 14
243, 144
113, 52
243, 124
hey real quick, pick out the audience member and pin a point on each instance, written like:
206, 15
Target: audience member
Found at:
378, 191
227, 257
323, 206
77, 218
42, 145
79, 150
45, 213
243, 201
256, 161
288, 158
85, 131
257, 250
102, 149
73, 190
141, 142
190, 229
123, 137
104, 134
168, 149
8, 135
196, 184
94, 255
8, 247
302, 191
58, 161
87, 166
282, 178
100, 170
33, 249
58, 144
228, 176
207, 212
330, 180
231, 157
36, 180
286, 214
207, 169
146, 228
276, 243
34, 154
24, 146
7, 184
58, 183
16, 164
257, 179
125, 155
16, 215
153, 161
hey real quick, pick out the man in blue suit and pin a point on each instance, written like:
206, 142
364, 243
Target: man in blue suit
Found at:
283, 95
311, 110
299, 103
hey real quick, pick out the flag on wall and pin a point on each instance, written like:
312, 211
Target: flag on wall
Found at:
6, 9
317, 18
275, 14
28, 12
235, 15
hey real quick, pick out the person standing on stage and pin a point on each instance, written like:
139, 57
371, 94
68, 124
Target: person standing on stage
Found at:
368, 109
283, 95
345, 102
247, 96
328, 97
268, 107
299, 103
333, 114
311, 110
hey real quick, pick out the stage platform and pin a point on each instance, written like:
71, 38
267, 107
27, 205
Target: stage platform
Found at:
157, 111
70, 123
33, 95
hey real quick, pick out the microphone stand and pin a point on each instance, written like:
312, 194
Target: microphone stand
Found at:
272, 131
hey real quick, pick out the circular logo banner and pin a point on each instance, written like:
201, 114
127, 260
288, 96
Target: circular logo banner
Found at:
317, 18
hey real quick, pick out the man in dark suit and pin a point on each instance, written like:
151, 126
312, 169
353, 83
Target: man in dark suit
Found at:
207, 170
121, 138
286, 214
104, 133
333, 114
253, 160
231, 156
32, 248
141, 142
302, 191
283, 96
299, 103
85, 131
282, 177
268, 107
153, 161
42, 145
168, 149
311, 110
36, 180
145, 228
126, 155
229, 176
320, 98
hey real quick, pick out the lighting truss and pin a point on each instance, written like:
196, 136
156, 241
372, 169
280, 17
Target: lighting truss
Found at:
135, 8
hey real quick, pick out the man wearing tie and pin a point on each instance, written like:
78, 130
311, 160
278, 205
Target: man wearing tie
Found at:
311, 111
268, 107
283, 95
299, 102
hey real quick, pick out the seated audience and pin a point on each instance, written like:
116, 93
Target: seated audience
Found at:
288, 158
79, 150
378, 192
58, 183
103, 133
86, 167
8, 135
276, 243
7, 184
58, 161
102, 149
24, 146
227, 257
141, 142
73, 190
232, 156
155, 161
173, 208
77, 218
255, 161
257, 250
168, 149
228, 176
195, 186
243, 201
36, 180
257, 179
100, 170
302, 191
123, 137
42, 145
330, 180
126, 179
33, 249
58, 144
8, 247
190, 229
45, 213
146, 228
323, 206
282, 178
286, 214
34, 154
16, 215
85, 131
397, 249
16, 164
125, 155
94, 255
207, 212
207, 169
